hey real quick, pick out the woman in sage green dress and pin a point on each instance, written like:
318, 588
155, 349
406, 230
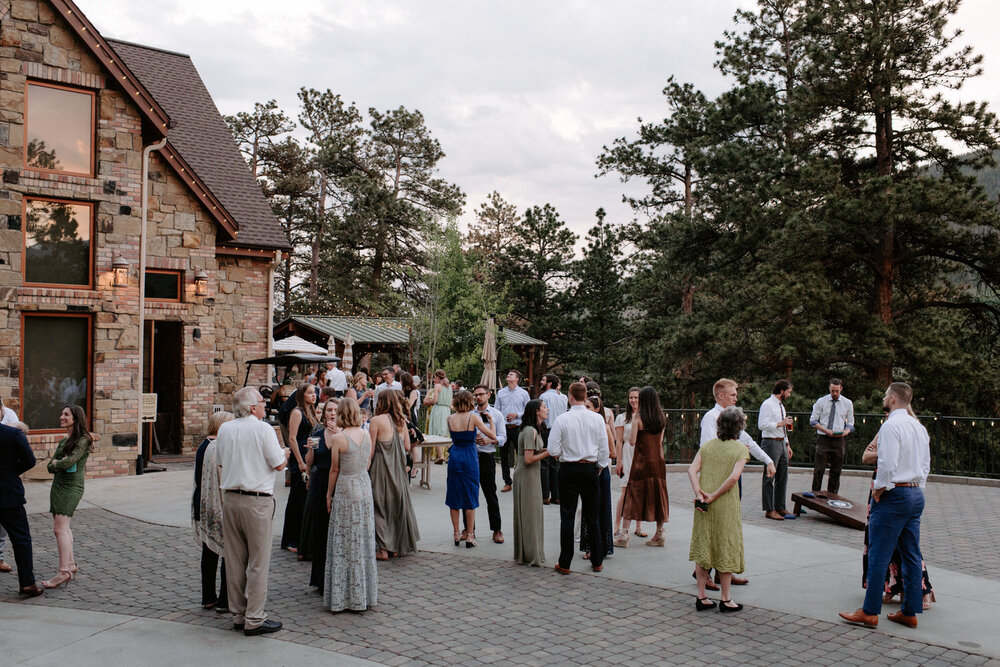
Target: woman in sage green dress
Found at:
717, 533
529, 533
439, 399
68, 467
396, 531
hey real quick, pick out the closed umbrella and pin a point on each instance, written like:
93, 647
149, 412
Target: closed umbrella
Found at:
347, 358
490, 357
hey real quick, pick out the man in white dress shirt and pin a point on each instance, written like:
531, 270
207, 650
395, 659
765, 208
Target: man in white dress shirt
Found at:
249, 454
833, 418
726, 393
7, 416
579, 439
773, 422
389, 381
904, 461
336, 379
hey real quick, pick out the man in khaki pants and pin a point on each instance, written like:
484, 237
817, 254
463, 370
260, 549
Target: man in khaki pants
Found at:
248, 454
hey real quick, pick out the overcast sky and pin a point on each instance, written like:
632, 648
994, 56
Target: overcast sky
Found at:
522, 95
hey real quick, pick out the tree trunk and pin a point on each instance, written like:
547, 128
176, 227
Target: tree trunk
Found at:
317, 242
886, 270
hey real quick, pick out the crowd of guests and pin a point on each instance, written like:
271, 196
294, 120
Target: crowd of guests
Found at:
349, 502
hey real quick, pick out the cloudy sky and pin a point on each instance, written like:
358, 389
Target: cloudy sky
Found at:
522, 95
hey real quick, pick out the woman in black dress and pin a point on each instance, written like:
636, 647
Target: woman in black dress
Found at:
318, 460
300, 424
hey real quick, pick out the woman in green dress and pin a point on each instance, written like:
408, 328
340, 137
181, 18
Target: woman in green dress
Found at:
529, 533
717, 533
439, 400
68, 467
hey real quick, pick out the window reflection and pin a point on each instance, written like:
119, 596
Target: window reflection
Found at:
57, 242
60, 129
55, 368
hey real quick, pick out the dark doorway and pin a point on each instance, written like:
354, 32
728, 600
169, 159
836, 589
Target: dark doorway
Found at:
163, 376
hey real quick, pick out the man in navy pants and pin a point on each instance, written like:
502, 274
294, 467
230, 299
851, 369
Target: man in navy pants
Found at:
16, 457
904, 461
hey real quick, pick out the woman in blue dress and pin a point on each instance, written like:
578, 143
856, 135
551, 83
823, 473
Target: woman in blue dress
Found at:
463, 465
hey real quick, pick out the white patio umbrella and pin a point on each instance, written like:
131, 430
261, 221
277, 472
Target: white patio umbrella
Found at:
296, 344
490, 356
347, 358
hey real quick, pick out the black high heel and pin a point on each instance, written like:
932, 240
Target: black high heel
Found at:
702, 606
470, 542
458, 539
725, 609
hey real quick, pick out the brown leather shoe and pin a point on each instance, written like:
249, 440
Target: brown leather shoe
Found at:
902, 619
498, 537
546, 501
859, 617
709, 585
734, 580
560, 569
5, 567
32, 591
506, 488
774, 515
597, 568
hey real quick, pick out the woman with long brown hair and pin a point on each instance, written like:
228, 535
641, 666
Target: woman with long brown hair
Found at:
68, 466
301, 423
396, 530
646, 493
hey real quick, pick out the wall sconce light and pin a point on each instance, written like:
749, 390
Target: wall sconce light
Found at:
201, 283
119, 269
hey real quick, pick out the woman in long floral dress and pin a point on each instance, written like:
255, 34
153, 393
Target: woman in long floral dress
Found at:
351, 573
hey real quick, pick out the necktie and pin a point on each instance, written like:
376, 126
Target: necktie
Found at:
781, 406
833, 413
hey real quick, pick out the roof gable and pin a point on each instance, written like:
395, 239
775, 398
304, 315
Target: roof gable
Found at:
88, 35
201, 149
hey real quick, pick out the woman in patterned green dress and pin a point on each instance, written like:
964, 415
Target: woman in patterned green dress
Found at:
68, 467
717, 533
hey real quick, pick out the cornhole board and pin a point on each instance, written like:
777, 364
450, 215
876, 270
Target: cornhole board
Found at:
842, 510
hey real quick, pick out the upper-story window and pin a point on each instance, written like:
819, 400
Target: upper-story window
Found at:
59, 129
57, 247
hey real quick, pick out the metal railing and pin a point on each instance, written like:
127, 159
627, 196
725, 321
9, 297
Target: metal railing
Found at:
966, 446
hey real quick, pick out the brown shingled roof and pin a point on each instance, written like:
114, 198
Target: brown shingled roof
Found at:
200, 136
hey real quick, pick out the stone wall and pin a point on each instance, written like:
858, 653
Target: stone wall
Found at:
232, 320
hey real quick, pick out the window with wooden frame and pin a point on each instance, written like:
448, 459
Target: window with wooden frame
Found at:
59, 129
57, 242
164, 285
56, 363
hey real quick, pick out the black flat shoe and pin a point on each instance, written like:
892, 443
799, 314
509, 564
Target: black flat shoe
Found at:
725, 608
702, 606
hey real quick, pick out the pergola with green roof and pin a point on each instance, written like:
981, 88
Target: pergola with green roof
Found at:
386, 335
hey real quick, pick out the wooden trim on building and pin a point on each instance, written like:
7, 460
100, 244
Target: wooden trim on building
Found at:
93, 128
90, 363
105, 54
199, 189
24, 242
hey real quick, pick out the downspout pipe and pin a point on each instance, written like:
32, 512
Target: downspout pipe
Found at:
140, 463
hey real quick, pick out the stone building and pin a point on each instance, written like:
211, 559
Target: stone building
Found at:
100, 140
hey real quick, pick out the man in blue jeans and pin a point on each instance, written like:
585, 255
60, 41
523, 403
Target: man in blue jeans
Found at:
904, 461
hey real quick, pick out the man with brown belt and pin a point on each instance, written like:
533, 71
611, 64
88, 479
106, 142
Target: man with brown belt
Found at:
248, 454
904, 461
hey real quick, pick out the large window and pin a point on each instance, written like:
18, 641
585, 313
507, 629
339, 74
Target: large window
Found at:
59, 132
57, 248
56, 367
